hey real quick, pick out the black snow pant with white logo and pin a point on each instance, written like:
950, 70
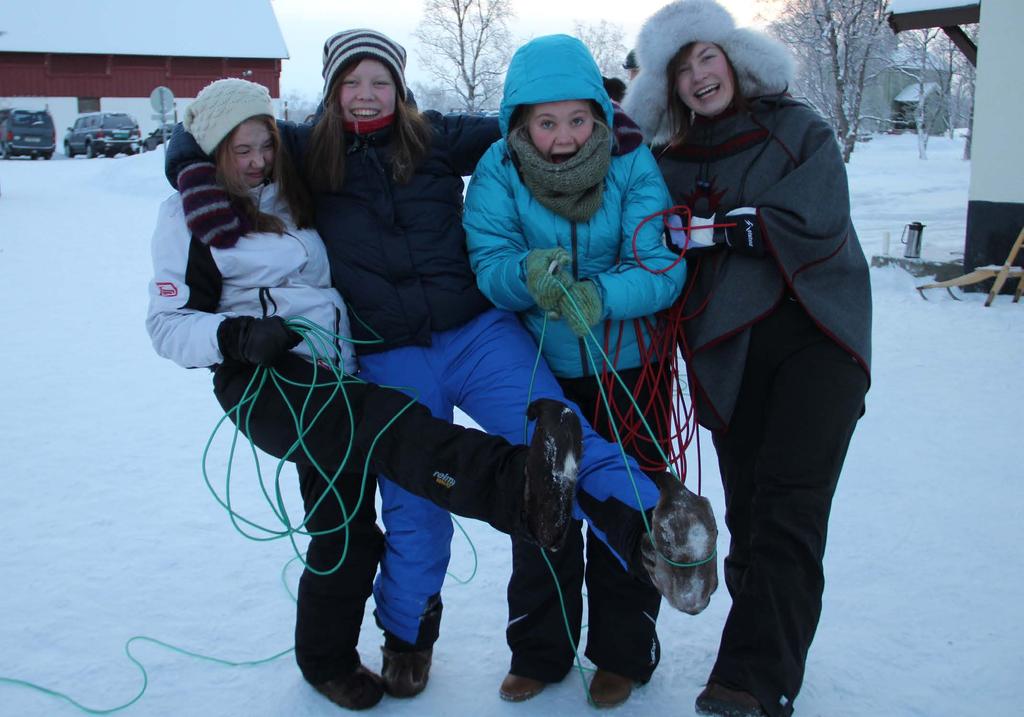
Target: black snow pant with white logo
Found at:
484, 479
780, 460
621, 609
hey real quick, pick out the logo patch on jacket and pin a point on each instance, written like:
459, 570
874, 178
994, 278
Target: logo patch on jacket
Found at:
443, 479
167, 289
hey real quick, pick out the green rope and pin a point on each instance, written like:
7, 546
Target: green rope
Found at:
618, 438
319, 342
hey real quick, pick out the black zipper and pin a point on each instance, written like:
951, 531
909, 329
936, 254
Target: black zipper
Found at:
338, 359
576, 277
267, 302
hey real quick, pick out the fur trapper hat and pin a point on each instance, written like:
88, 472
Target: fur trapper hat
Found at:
223, 105
349, 46
763, 65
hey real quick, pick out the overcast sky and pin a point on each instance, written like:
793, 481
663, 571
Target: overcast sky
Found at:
307, 23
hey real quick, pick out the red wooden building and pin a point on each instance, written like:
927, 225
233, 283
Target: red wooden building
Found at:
113, 56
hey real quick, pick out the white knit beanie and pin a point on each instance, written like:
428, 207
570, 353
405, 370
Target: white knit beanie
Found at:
349, 46
223, 105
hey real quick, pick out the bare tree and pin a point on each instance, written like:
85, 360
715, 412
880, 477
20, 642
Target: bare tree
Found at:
961, 97
605, 41
435, 97
297, 106
840, 45
466, 47
930, 82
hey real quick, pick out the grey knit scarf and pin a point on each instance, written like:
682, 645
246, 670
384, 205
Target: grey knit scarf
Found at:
574, 188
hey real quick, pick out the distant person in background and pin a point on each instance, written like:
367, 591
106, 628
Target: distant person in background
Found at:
615, 88
777, 325
630, 65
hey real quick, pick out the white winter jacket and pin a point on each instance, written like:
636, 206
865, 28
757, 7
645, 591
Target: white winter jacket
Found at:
195, 286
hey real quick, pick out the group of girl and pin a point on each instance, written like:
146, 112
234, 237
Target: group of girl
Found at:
554, 253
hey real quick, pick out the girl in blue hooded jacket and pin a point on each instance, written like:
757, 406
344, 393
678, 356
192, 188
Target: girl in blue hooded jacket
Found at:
550, 219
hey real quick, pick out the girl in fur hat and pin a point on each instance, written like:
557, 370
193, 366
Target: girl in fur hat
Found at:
553, 193
777, 335
387, 189
223, 300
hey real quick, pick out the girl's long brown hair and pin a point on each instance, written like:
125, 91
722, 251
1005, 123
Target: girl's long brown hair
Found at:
680, 116
290, 186
325, 164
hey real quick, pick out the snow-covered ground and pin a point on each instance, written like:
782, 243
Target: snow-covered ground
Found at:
108, 531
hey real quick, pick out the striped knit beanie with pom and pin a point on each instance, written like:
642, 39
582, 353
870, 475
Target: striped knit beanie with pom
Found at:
349, 46
223, 105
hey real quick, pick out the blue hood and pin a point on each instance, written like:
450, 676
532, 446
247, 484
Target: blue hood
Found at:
551, 69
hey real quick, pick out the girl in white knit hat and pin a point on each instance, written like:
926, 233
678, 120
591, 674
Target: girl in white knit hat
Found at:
229, 277
777, 330
387, 189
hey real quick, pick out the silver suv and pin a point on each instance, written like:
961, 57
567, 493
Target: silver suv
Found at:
106, 133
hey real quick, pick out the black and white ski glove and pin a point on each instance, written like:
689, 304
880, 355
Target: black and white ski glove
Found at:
745, 237
260, 342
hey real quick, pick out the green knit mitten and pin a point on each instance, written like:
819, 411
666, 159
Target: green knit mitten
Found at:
545, 278
587, 310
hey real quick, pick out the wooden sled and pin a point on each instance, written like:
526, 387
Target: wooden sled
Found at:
982, 273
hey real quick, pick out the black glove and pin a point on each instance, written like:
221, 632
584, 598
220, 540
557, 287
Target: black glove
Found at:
745, 237
255, 341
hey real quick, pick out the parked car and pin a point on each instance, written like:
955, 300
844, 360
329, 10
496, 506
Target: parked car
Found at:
106, 133
26, 132
156, 138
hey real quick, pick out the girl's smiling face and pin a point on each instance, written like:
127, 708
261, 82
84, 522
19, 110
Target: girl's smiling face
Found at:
705, 81
252, 152
367, 92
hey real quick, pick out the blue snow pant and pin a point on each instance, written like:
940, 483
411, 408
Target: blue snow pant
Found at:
484, 367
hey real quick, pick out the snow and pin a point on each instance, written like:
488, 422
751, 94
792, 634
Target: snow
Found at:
109, 532
912, 92
904, 6
183, 28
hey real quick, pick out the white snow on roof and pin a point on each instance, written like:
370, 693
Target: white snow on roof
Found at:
897, 7
911, 92
183, 28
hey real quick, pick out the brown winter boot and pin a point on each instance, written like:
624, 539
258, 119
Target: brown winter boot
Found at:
608, 689
359, 690
719, 701
684, 531
405, 673
551, 471
515, 688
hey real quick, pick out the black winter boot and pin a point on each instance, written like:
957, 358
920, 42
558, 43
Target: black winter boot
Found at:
551, 472
684, 531
405, 673
720, 701
359, 690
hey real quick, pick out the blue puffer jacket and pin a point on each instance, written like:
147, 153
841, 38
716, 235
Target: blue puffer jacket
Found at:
504, 222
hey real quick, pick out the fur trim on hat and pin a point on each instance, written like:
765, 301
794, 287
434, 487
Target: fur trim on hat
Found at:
763, 65
349, 46
223, 105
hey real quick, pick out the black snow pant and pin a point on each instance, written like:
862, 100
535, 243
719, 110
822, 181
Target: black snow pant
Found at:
621, 609
483, 479
800, 398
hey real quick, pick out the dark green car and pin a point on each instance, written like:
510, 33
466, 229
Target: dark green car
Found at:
27, 133
103, 133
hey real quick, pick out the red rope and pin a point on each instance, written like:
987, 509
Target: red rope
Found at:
663, 349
